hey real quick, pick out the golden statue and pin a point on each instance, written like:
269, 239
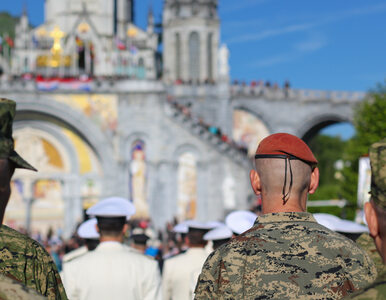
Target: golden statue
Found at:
56, 49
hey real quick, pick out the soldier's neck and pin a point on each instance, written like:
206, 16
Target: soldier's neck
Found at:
111, 239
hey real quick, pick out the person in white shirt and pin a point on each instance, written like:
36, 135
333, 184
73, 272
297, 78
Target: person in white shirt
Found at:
112, 270
180, 272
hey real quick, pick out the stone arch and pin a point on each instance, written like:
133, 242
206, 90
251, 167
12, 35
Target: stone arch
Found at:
53, 112
130, 139
56, 133
183, 148
246, 133
263, 117
311, 127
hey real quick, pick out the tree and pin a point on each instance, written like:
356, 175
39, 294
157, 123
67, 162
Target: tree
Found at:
7, 24
327, 150
370, 125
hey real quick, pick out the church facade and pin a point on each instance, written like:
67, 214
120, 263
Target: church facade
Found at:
103, 112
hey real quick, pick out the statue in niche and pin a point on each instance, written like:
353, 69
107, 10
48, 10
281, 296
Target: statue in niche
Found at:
223, 62
138, 180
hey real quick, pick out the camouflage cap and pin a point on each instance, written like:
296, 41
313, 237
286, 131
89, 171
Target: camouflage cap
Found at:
377, 153
7, 114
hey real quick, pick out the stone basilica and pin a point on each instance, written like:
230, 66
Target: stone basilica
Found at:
102, 111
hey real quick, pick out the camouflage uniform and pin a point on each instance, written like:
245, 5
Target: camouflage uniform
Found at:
11, 289
377, 154
366, 242
25, 260
285, 255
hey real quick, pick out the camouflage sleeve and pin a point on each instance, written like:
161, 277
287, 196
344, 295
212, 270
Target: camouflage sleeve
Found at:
11, 289
361, 268
213, 282
367, 244
26, 261
47, 276
376, 290
207, 281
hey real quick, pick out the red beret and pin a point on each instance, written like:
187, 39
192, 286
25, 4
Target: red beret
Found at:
287, 144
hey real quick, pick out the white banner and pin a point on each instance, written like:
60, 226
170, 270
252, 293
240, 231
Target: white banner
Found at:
364, 181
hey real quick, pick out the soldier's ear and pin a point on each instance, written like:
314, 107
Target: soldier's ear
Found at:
314, 182
255, 181
371, 219
125, 228
97, 228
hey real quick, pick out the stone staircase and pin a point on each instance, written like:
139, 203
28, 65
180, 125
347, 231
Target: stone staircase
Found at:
219, 143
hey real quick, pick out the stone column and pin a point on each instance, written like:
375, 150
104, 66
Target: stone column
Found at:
185, 55
203, 35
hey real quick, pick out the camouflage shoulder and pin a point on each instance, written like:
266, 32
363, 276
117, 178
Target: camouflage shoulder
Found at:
34, 264
11, 289
15, 239
376, 290
213, 282
366, 242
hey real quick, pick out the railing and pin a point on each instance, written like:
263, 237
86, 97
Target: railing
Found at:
294, 94
220, 142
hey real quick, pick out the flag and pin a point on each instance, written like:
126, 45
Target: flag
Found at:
9, 41
120, 45
35, 41
70, 84
133, 49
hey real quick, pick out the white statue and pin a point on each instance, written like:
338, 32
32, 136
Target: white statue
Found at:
223, 62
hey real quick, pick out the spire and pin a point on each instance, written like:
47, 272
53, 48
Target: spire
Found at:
24, 12
150, 19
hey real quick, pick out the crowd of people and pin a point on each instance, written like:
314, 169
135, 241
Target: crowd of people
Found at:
205, 127
283, 253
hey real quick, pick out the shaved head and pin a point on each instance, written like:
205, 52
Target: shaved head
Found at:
271, 173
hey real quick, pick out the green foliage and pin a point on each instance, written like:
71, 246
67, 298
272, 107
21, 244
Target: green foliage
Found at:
326, 192
7, 24
327, 151
370, 124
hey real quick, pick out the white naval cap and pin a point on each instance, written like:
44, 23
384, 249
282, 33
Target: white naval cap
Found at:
181, 227
240, 220
219, 233
184, 226
335, 223
193, 224
112, 207
87, 229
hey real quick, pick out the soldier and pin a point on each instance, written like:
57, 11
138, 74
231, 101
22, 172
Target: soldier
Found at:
21, 258
286, 254
375, 212
240, 220
180, 272
139, 240
219, 235
112, 270
87, 231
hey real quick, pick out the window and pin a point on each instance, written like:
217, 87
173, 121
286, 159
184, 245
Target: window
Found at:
209, 55
178, 56
194, 57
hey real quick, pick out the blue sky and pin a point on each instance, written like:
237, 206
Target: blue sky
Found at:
327, 45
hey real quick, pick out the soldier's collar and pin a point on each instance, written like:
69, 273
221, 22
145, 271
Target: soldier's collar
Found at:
285, 217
